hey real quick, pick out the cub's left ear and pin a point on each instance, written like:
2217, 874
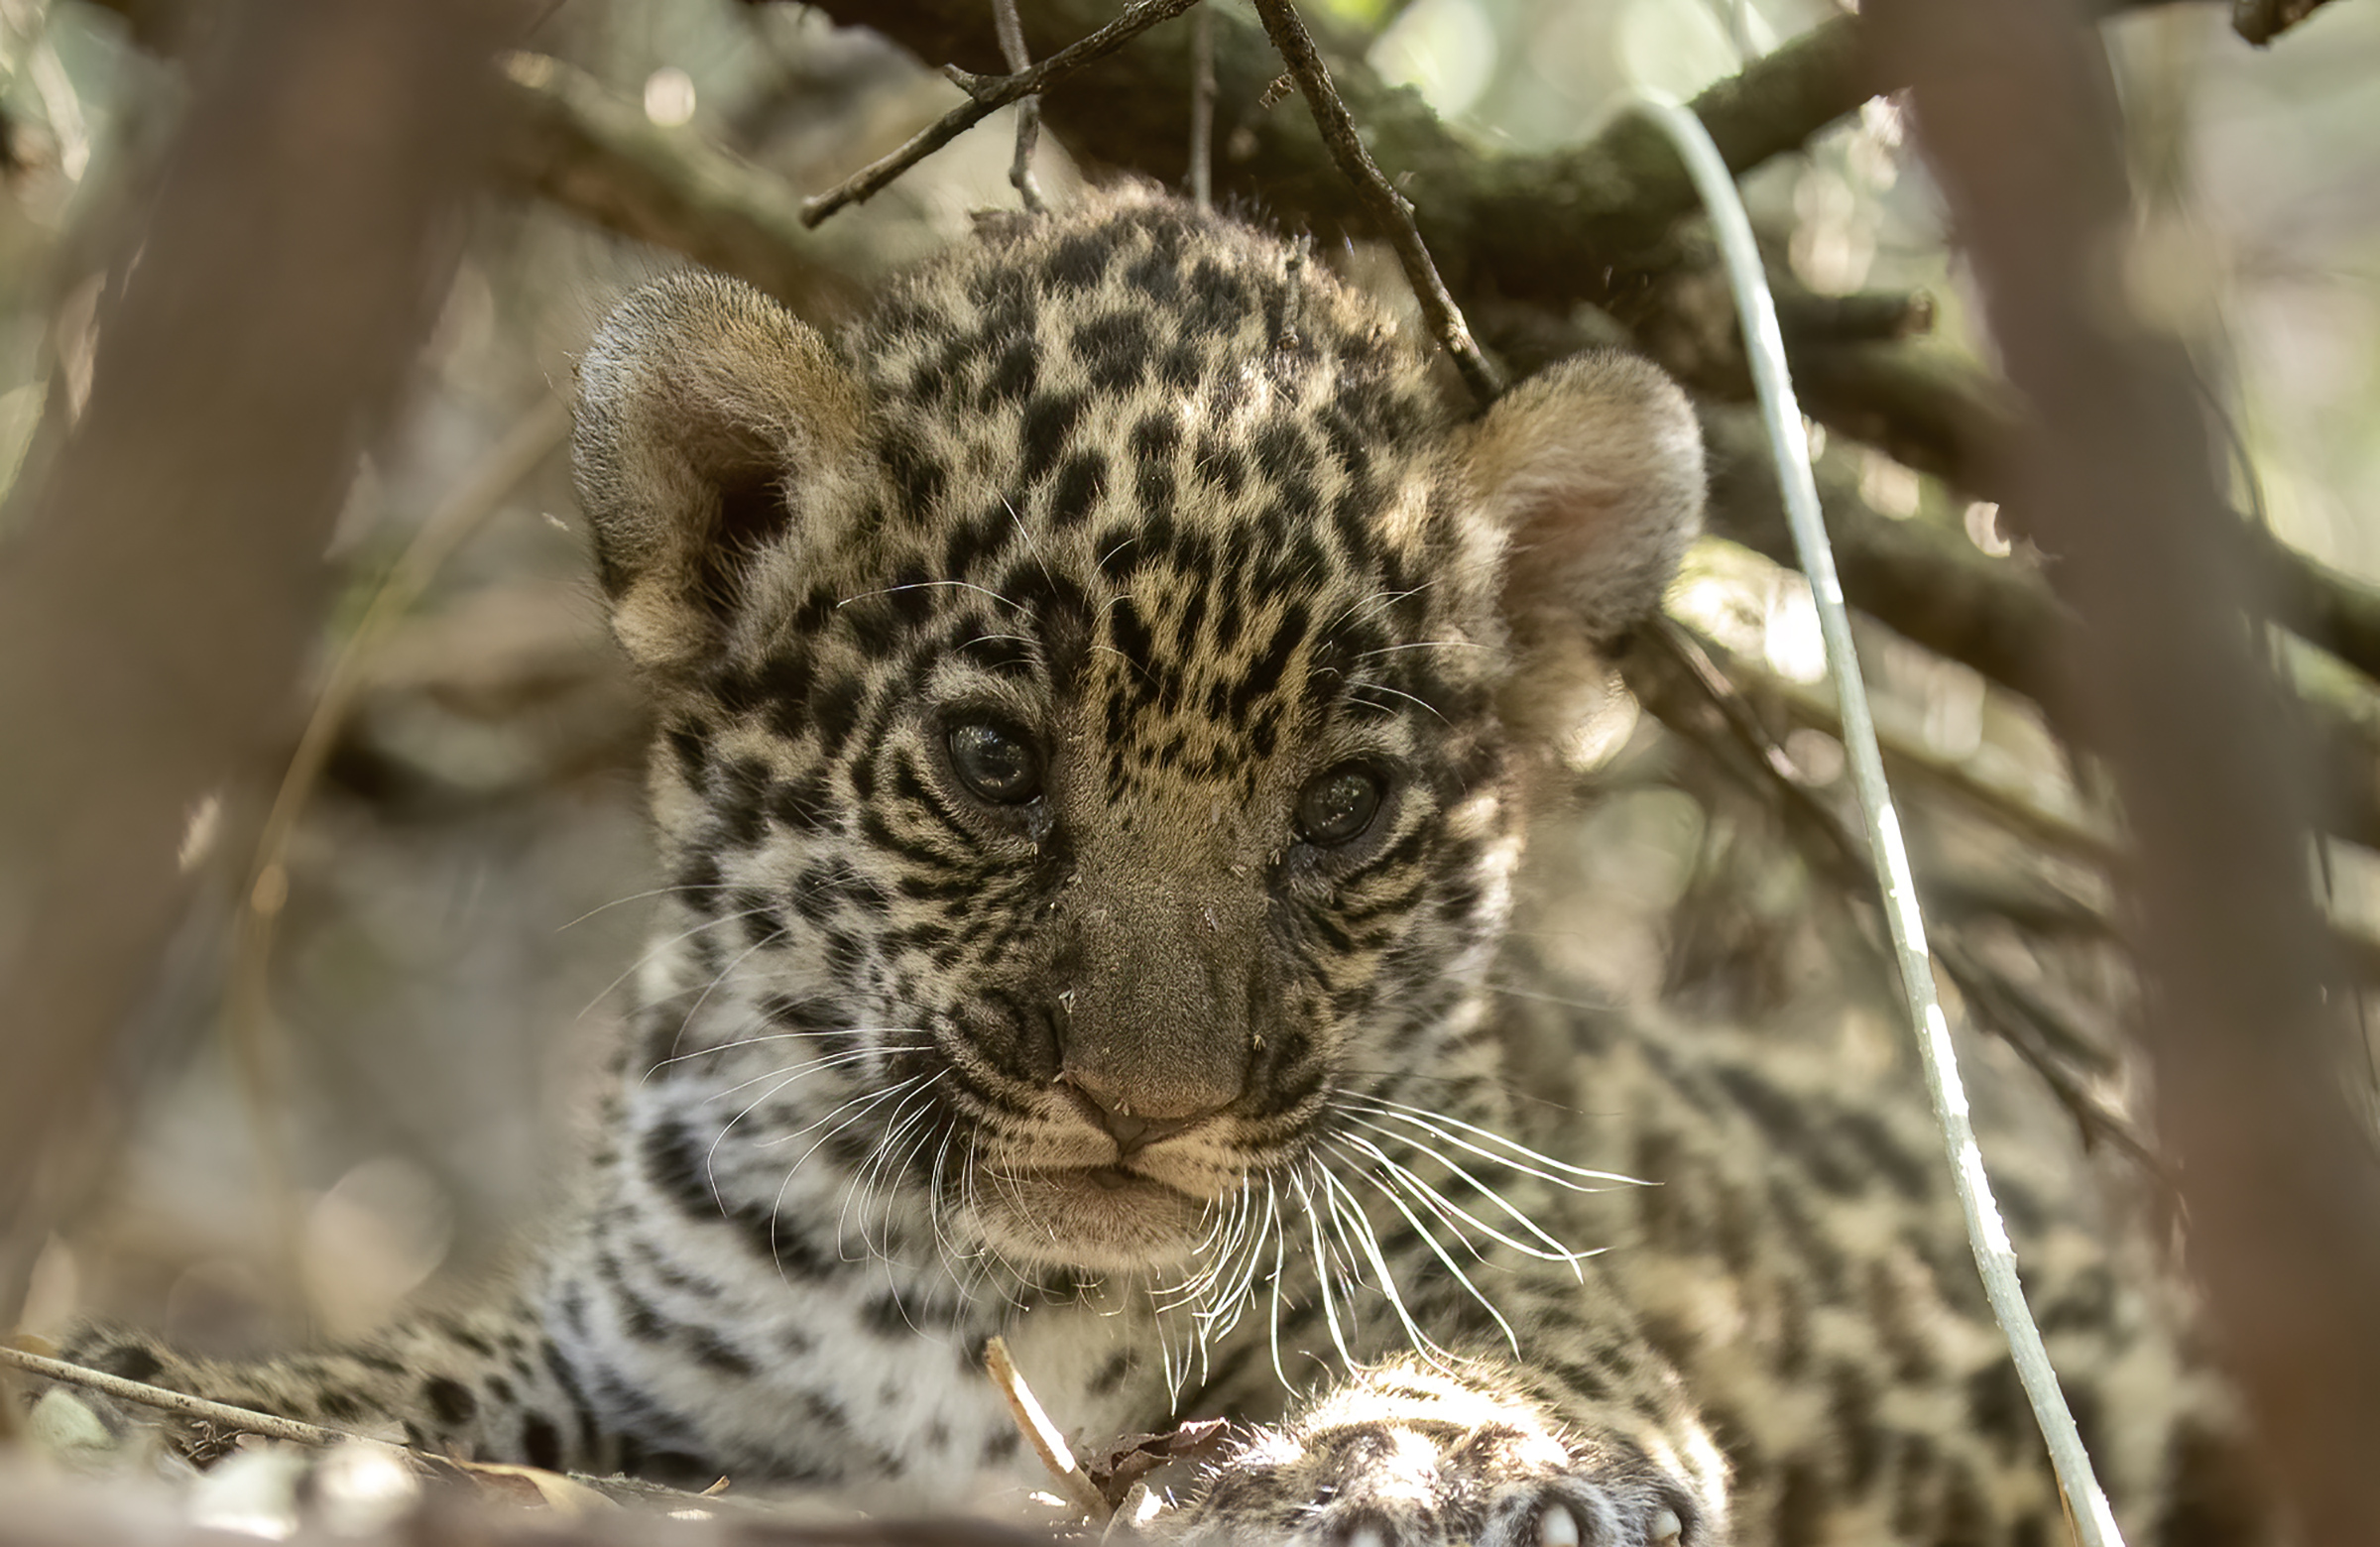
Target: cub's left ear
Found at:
1594, 471
712, 428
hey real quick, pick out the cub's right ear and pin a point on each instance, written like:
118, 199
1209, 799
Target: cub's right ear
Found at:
712, 428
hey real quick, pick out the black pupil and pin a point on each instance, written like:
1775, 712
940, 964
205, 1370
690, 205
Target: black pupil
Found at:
994, 762
1339, 805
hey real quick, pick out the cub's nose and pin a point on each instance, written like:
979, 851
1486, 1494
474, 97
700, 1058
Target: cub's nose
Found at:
1109, 1111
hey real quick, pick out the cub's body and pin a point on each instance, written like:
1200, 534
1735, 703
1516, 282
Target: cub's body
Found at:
1096, 698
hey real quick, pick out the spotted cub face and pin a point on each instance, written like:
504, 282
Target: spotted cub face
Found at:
1091, 697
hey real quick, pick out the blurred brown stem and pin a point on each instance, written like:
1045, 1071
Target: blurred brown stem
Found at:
164, 578
2016, 114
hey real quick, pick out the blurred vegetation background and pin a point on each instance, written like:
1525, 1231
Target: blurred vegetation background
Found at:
379, 1022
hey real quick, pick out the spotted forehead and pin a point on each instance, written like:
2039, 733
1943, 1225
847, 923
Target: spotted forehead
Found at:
1168, 465
1148, 364
1153, 391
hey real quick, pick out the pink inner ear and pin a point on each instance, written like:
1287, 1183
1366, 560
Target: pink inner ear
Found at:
1595, 470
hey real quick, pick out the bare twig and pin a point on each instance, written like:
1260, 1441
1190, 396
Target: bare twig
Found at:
1047, 1443
986, 96
1202, 109
146, 1395
1029, 111
1392, 209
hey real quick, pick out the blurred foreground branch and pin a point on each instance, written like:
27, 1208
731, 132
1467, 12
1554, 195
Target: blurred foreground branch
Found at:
2016, 114
162, 583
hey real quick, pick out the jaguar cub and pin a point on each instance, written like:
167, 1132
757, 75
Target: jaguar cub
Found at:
1097, 699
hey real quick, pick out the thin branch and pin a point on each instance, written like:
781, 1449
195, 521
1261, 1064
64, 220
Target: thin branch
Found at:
986, 96
1391, 209
146, 1395
1029, 111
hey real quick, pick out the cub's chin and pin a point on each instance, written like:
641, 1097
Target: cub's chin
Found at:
1096, 1219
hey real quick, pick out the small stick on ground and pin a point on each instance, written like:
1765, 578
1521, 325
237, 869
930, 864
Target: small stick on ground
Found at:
986, 94
239, 1418
1043, 1434
1390, 208
1202, 111
1029, 111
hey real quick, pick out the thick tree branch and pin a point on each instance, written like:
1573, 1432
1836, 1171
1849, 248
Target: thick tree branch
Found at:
1570, 223
568, 140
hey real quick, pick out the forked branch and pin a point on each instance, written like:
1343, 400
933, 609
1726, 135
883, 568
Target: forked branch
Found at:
1029, 111
1392, 209
986, 95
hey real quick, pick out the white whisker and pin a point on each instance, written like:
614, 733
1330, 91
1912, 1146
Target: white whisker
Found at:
920, 585
1517, 1154
1553, 1252
1512, 1339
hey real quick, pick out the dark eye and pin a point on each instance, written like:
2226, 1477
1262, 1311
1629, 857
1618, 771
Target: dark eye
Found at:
1336, 808
996, 763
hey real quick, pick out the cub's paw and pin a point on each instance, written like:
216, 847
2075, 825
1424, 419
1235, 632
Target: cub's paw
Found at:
1426, 1484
